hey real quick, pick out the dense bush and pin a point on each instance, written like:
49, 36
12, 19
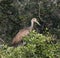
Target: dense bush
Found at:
16, 14
37, 46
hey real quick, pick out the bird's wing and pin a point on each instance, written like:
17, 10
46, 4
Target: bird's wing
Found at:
19, 35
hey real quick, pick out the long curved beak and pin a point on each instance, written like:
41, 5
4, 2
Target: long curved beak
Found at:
38, 23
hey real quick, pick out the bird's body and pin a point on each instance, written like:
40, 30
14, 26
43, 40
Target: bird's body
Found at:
20, 34
23, 32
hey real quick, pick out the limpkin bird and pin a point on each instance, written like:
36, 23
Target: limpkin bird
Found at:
24, 32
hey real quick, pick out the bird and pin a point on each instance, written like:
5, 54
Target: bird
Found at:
24, 32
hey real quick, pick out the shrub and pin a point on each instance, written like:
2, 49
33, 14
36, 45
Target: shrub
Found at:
37, 46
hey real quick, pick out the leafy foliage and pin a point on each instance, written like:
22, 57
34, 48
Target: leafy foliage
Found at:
37, 46
16, 14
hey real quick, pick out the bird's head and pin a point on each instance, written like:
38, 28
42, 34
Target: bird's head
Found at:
35, 20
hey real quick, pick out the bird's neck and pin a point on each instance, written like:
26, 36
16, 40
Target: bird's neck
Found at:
32, 23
